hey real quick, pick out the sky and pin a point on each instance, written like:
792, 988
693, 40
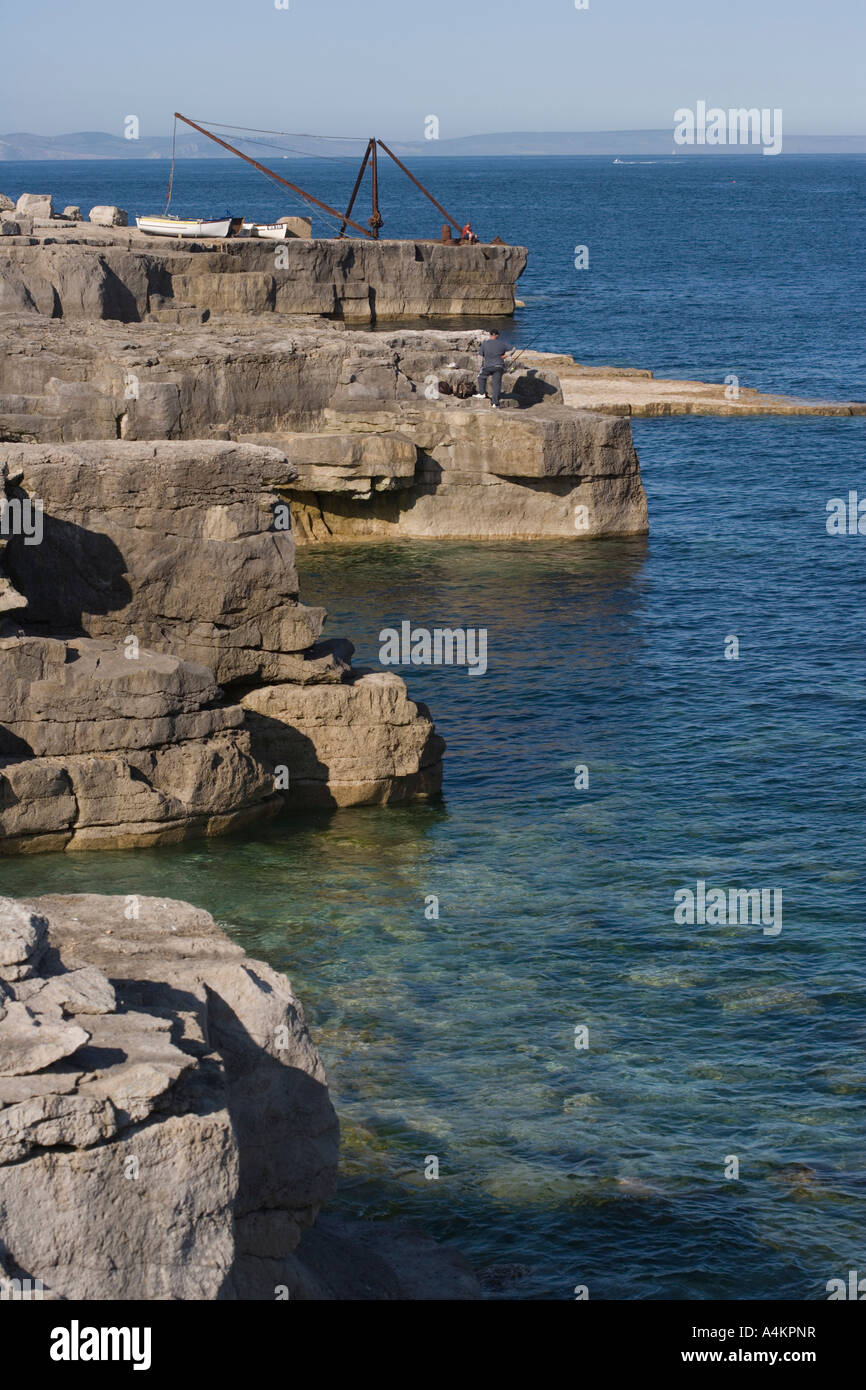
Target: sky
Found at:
359, 67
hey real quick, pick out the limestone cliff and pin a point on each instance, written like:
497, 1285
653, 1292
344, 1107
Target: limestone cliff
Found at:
183, 419
73, 270
163, 574
378, 442
165, 1125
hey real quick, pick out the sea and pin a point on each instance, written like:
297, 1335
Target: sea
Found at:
538, 1057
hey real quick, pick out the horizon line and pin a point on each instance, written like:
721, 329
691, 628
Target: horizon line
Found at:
474, 135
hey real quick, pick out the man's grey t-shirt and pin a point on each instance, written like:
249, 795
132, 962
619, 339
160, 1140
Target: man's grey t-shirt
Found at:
491, 351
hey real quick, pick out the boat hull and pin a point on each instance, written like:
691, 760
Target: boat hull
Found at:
185, 226
276, 231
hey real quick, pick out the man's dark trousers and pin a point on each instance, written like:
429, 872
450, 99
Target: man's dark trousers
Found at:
495, 374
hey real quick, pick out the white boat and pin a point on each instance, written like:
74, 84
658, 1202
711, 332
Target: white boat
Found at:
271, 231
164, 225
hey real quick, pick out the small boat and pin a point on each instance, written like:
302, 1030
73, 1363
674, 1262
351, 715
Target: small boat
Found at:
271, 231
165, 225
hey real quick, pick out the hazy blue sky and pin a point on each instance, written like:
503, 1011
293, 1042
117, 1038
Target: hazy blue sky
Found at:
361, 66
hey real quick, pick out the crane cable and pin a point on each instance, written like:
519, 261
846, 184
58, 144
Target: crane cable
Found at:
171, 174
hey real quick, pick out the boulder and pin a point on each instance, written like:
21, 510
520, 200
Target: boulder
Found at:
9, 228
183, 1139
6, 204
107, 215
72, 213
298, 226
35, 205
357, 744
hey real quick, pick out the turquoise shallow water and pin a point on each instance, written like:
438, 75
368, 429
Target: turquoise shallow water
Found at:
455, 1037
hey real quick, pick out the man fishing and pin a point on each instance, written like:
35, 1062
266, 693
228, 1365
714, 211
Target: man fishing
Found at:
492, 354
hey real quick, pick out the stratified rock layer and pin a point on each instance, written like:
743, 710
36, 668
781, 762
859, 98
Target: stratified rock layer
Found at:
165, 1125
178, 544
175, 562
479, 474
92, 271
375, 448
98, 751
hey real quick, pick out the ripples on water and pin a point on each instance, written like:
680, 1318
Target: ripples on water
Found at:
456, 1037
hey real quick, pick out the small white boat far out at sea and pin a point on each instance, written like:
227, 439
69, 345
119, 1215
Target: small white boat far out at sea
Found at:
164, 225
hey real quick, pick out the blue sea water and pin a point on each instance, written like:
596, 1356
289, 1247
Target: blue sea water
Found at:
455, 1037
698, 266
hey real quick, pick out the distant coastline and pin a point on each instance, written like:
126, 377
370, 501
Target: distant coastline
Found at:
100, 145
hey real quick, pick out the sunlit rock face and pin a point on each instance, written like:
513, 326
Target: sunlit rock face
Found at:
151, 585
160, 1097
103, 270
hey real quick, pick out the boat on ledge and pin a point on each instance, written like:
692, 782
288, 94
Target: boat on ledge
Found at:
269, 231
166, 225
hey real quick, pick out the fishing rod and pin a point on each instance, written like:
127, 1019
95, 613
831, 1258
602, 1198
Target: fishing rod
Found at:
528, 348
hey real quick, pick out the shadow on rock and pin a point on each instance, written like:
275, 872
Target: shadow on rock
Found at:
74, 571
